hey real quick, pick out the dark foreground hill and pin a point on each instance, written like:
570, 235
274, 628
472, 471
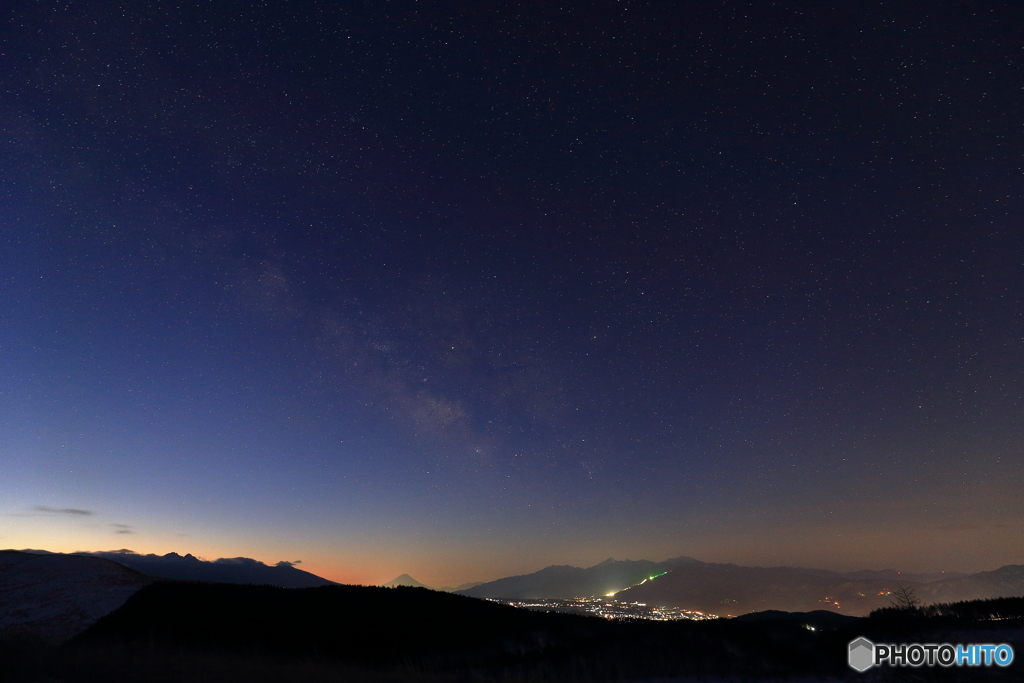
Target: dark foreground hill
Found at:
176, 632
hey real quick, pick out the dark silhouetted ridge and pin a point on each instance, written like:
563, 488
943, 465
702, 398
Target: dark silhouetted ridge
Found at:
224, 570
560, 581
404, 580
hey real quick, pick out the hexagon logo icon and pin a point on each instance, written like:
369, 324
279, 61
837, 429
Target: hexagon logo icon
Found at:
862, 654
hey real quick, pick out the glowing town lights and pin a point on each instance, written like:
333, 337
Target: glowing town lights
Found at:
609, 609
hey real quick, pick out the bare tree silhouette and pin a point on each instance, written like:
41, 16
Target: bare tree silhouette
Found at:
904, 598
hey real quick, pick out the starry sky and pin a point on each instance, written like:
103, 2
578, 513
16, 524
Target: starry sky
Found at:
465, 289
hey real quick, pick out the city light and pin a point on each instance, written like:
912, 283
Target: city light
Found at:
608, 609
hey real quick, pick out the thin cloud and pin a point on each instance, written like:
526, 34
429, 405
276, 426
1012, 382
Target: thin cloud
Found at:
122, 551
62, 511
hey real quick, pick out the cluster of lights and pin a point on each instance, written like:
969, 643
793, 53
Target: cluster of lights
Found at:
608, 608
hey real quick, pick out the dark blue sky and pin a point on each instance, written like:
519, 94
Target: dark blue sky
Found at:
462, 290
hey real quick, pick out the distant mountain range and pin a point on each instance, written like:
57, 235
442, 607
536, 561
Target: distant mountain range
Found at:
406, 580
682, 582
54, 596
224, 570
728, 589
562, 581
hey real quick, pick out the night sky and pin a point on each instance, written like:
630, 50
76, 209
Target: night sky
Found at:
465, 289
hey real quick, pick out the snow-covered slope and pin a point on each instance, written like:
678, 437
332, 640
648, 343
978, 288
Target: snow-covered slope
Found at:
55, 597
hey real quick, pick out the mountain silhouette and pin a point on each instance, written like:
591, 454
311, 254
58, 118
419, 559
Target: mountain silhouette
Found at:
461, 587
1007, 581
177, 631
404, 580
729, 590
570, 582
224, 570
